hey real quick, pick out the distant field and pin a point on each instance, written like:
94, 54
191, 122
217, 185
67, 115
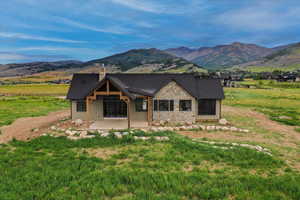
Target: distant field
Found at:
281, 104
270, 84
34, 89
14, 107
267, 68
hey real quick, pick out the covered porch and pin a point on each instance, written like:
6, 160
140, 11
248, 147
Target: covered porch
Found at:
118, 107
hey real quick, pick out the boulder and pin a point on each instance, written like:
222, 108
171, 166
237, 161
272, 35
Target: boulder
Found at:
223, 121
188, 123
78, 122
225, 128
53, 128
104, 135
233, 129
210, 128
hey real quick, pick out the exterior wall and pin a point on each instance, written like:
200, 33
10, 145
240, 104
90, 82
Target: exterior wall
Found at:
173, 91
210, 117
96, 109
137, 116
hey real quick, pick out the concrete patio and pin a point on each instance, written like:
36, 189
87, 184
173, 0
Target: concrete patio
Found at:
117, 124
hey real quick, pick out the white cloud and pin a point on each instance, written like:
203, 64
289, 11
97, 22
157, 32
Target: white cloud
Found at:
261, 16
111, 29
32, 37
12, 56
141, 5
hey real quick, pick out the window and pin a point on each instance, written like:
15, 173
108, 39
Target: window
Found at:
141, 105
163, 105
185, 105
81, 106
206, 107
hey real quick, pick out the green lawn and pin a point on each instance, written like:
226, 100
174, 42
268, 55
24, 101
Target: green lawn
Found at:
280, 104
35, 89
109, 168
14, 107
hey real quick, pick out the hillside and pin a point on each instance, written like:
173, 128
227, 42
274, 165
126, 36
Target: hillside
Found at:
222, 55
144, 60
137, 60
286, 58
22, 69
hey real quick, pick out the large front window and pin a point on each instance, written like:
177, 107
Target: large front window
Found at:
163, 105
207, 107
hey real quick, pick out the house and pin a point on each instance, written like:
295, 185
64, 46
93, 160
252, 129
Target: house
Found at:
145, 98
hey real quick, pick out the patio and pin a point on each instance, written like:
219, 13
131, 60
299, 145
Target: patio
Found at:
117, 124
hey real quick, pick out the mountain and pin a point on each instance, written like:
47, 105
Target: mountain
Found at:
222, 55
137, 60
284, 58
22, 69
144, 60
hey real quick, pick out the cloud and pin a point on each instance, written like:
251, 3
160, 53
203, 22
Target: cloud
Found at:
40, 38
141, 5
111, 29
261, 16
7, 57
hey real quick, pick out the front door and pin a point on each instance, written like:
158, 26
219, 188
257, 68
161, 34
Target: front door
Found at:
113, 107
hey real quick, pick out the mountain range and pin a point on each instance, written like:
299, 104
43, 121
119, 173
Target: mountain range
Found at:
237, 55
222, 55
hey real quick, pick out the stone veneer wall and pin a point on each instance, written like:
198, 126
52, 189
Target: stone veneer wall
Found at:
173, 91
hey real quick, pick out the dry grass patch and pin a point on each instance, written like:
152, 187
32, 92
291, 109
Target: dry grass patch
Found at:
103, 153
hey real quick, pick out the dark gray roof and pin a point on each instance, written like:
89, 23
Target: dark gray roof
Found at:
134, 85
81, 85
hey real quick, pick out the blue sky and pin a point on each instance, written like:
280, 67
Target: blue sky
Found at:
48, 30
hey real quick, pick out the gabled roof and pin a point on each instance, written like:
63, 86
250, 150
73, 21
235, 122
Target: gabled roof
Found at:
134, 85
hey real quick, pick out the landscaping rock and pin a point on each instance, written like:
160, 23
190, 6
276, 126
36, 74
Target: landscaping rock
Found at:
78, 122
53, 128
223, 121
104, 135
233, 129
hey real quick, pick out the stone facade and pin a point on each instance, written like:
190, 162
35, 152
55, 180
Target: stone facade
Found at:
173, 91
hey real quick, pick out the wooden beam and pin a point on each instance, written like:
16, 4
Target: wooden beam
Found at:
107, 93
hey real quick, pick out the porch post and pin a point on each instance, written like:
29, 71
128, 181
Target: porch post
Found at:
150, 110
128, 112
87, 112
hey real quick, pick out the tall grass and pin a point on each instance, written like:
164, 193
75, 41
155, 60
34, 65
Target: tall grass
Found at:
57, 168
14, 107
282, 105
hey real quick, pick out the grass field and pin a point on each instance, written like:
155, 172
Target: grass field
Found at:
280, 103
35, 89
108, 168
14, 107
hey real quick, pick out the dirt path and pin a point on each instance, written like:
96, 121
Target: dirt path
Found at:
22, 128
290, 137
282, 137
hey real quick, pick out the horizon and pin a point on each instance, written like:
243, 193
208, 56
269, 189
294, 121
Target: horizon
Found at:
34, 31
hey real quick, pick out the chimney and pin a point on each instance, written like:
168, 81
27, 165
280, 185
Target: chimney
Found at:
102, 72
